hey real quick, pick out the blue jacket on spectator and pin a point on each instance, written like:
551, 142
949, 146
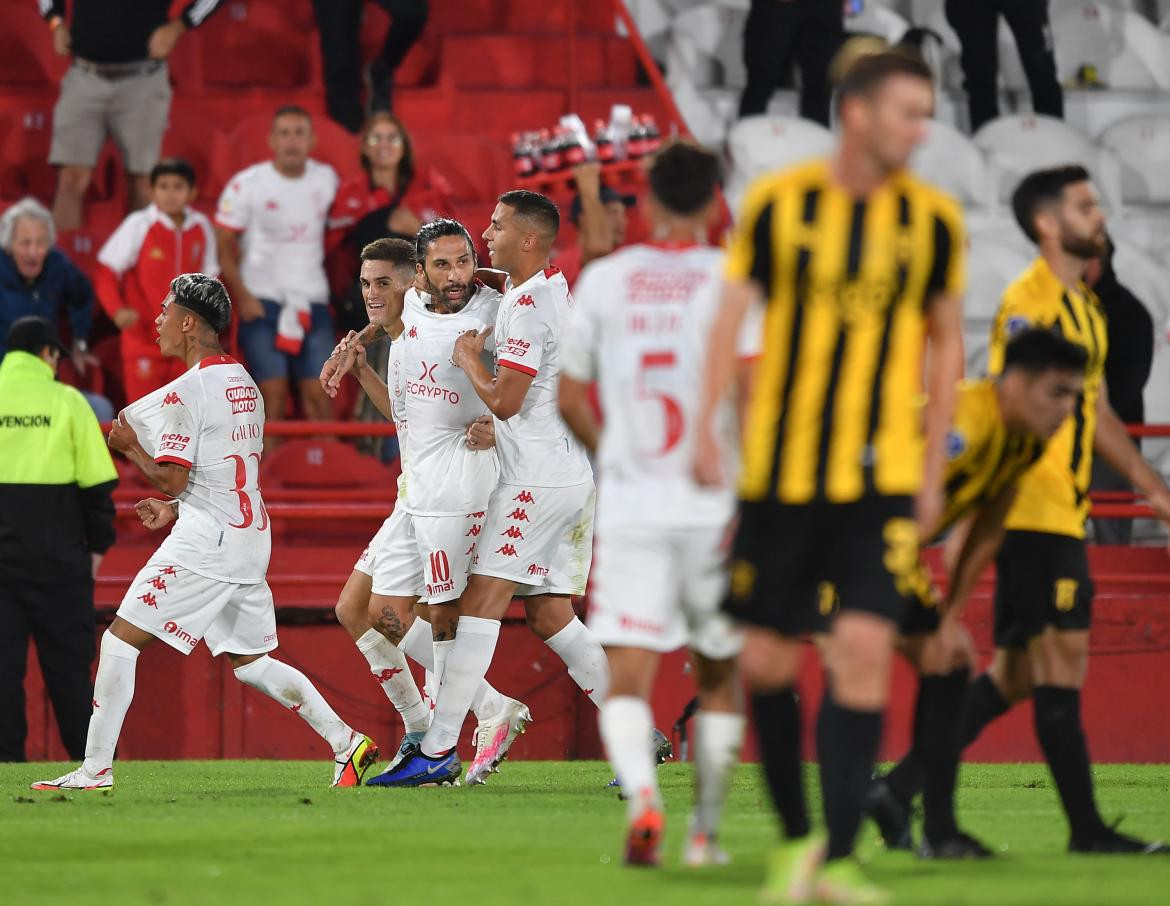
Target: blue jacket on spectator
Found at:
60, 283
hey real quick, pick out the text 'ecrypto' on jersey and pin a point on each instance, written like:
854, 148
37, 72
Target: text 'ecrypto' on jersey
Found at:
835, 411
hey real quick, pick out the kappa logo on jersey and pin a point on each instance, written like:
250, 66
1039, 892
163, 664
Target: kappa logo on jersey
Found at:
172, 399
525, 497
534, 570
149, 600
173, 628
514, 533
167, 571
160, 583
507, 550
243, 399
271, 205
173, 442
428, 372
413, 332
519, 515
473, 532
386, 675
526, 301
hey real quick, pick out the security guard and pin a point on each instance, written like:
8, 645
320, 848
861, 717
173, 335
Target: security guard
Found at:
56, 520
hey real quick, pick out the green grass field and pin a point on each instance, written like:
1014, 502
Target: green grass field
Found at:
541, 833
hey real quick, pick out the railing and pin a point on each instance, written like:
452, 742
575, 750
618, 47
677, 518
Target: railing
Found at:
302, 504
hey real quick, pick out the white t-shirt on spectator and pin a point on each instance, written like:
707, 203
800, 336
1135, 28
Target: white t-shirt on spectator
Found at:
282, 222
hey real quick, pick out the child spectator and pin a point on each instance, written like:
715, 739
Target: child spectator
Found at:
137, 264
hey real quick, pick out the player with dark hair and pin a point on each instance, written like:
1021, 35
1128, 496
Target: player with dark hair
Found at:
641, 319
857, 261
999, 431
538, 526
1044, 592
199, 440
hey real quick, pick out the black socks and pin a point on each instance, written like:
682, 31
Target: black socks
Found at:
847, 743
1058, 728
777, 719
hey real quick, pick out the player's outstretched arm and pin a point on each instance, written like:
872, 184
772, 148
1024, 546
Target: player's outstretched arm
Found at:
944, 369
170, 478
573, 401
503, 394
719, 371
1113, 444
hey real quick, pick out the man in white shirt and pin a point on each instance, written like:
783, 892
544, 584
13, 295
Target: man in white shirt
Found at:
639, 328
198, 440
538, 529
270, 225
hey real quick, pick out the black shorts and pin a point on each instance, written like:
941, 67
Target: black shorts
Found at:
794, 565
1042, 580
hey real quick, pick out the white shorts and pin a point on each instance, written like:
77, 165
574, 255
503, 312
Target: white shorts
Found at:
181, 607
541, 538
391, 558
422, 556
661, 589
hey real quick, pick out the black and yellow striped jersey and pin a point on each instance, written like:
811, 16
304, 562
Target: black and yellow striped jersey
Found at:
983, 456
1053, 497
835, 413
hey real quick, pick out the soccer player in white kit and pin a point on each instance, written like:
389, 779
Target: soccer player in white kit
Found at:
199, 439
537, 533
639, 329
426, 547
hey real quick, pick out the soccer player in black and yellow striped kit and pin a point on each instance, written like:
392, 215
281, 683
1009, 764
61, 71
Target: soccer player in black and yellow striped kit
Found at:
1044, 592
860, 267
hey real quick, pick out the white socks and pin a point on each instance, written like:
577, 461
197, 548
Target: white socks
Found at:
718, 737
113, 690
419, 648
470, 657
442, 650
388, 666
626, 728
292, 689
585, 658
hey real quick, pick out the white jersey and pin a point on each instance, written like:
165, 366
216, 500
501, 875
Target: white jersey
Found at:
282, 222
211, 419
535, 446
640, 328
394, 384
445, 476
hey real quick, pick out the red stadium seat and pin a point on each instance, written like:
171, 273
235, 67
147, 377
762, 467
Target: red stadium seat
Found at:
247, 143
197, 140
27, 125
27, 58
254, 45
326, 464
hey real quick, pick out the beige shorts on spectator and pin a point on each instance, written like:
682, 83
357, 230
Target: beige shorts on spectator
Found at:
181, 607
661, 589
133, 110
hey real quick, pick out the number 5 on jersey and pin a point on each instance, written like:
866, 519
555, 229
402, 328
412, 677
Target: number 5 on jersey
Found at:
659, 364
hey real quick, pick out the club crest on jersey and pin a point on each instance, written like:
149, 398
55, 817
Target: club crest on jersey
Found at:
956, 443
527, 301
172, 399
1016, 324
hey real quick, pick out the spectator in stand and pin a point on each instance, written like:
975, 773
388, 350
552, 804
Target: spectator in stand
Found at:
339, 25
56, 522
138, 263
1128, 360
275, 213
599, 213
776, 32
380, 202
976, 22
118, 85
37, 279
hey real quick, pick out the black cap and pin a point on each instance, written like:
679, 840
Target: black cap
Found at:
33, 333
607, 195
